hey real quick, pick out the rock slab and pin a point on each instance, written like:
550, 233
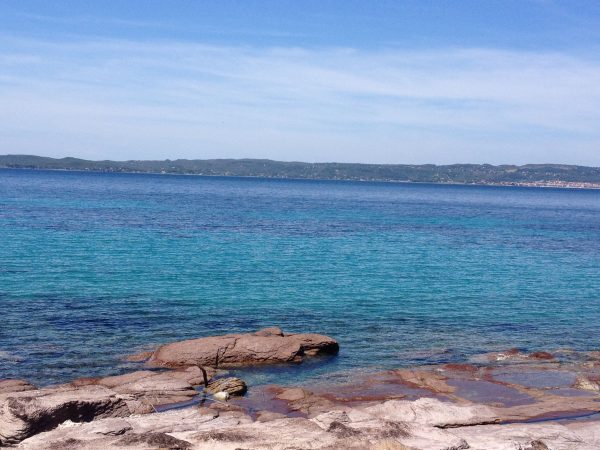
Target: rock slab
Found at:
8, 386
23, 414
267, 346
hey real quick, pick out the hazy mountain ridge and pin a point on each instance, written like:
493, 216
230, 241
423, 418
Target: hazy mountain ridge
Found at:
455, 173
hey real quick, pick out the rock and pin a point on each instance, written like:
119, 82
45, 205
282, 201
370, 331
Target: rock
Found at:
272, 331
145, 390
203, 410
391, 425
267, 346
268, 416
119, 380
304, 401
433, 412
589, 383
86, 381
23, 414
153, 440
293, 394
595, 355
325, 420
231, 385
221, 406
433, 381
158, 390
194, 375
111, 427
538, 445
7, 386
544, 356
539, 436
221, 396
514, 356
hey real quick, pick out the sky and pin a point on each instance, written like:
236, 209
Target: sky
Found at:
413, 81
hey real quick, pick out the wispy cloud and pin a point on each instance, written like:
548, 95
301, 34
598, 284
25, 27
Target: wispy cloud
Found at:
127, 99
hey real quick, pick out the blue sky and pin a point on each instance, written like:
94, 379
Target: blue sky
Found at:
371, 81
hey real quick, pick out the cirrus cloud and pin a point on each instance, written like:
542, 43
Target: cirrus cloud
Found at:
123, 99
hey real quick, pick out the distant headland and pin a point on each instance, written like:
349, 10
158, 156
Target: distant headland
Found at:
541, 175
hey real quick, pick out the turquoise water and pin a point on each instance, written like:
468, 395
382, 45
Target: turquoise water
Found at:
97, 266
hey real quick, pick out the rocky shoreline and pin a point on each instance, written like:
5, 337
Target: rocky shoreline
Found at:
184, 399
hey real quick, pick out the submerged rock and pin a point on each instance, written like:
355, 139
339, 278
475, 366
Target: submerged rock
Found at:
267, 346
513, 356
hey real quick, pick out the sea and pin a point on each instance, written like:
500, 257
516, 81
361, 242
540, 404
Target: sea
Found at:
97, 266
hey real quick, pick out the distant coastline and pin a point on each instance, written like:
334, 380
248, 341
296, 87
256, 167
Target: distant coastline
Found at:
530, 175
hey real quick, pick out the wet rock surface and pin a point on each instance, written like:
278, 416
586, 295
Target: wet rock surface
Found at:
266, 346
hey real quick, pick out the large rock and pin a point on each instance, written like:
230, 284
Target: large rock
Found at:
23, 414
267, 346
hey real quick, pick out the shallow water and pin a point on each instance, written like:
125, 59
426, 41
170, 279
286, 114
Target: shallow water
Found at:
96, 266
479, 391
538, 379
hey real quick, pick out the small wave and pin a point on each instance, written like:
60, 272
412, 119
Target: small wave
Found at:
10, 357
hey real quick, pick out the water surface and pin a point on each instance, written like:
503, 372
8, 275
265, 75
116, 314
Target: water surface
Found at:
96, 266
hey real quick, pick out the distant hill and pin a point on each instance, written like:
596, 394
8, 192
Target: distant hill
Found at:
530, 174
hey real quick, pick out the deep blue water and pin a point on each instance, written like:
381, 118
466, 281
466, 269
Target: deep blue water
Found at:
97, 266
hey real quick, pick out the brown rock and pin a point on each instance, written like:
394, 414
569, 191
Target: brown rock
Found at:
293, 394
231, 385
268, 346
7, 386
304, 401
594, 355
119, 380
542, 356
193, 375
426, 379
145, 392
272, 331
467, 368
86, 381
23, 414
